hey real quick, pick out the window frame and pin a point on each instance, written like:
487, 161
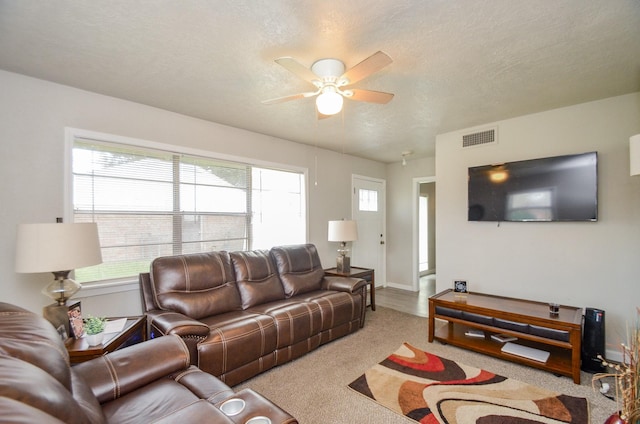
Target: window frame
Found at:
130, 284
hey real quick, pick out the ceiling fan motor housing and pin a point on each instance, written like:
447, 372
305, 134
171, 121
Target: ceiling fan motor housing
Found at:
328, 68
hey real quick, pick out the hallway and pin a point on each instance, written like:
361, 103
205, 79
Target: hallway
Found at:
410, 302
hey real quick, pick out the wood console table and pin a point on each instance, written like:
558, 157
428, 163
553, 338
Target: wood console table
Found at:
529, 321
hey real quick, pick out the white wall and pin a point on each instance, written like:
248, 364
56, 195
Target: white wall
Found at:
400, 219
33, 116
582, 264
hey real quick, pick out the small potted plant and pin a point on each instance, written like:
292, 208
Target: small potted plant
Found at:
94, 327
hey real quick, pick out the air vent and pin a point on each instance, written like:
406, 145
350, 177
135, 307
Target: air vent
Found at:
480, 138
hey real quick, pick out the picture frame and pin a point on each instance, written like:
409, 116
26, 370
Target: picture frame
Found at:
62, 332
76, 325
460, 290
460, 286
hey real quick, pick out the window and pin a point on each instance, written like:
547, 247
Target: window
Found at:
368, 200
150, 203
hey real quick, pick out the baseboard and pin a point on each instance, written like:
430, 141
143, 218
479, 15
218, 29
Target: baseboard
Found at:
614, 355
400, 286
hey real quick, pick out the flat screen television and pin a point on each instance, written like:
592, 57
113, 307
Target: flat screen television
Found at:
561, 188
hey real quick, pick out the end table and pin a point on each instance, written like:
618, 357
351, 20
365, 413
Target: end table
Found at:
366, 274
134, 331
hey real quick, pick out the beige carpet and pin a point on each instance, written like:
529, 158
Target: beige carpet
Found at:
315, 389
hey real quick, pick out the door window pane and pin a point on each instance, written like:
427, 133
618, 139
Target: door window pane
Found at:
368, 200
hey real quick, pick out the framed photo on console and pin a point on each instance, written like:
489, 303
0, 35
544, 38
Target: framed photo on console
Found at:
76, 327
460, 286
460, 289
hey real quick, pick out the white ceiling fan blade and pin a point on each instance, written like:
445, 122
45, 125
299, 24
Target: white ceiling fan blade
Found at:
291, 97
372, 64
297, 68
370, 96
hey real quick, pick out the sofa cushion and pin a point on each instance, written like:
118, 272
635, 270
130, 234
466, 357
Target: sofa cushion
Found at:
256, 277
299, 268
33, 339
162, 398
296, 320
336, 308
33, 386
236, 339
16, 412
197, 285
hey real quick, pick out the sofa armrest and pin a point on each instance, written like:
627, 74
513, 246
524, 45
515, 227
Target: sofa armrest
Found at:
203, 385
175, 323
124, 371
345, 284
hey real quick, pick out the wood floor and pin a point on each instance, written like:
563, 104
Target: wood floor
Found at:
414, 303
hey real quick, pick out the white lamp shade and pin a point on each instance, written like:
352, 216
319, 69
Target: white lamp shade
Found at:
343, 231
329, 103
57, 247
634, 154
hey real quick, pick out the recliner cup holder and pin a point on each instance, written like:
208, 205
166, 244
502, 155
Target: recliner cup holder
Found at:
258, 420
232, 407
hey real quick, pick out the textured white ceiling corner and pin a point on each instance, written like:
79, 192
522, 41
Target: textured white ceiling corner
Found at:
456, 64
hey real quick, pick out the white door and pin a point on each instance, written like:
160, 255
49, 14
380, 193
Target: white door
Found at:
368, 206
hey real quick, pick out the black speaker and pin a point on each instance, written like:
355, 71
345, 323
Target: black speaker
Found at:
593, 340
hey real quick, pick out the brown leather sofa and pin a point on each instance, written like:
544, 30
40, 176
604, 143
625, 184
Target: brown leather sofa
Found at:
152, 382
242, 313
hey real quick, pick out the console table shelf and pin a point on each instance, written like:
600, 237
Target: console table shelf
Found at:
527, 320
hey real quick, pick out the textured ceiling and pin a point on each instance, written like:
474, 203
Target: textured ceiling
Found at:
456, 64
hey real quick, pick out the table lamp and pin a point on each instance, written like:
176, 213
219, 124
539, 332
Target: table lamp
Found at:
343, 232
57, 248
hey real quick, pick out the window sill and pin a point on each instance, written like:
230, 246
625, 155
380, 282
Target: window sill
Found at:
108, 287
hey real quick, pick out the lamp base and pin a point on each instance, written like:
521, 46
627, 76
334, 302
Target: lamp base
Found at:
62, 288
58, 316
344, 264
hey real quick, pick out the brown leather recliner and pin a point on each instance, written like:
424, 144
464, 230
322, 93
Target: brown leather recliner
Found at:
149, 382
242, 313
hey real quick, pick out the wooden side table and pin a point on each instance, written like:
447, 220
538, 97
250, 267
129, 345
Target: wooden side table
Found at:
366, 274
134, 331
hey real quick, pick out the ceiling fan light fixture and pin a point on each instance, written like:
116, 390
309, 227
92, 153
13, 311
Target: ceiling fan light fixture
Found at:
329, 78
329, 102
404, 156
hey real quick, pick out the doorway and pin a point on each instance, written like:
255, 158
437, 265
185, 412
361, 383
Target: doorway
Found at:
424, 240
368, 210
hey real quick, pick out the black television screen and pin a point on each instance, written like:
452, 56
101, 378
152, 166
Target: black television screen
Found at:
561, 188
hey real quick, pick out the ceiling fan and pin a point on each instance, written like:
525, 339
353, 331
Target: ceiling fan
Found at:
332, 82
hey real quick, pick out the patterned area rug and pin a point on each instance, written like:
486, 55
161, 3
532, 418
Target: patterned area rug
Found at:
430, 390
